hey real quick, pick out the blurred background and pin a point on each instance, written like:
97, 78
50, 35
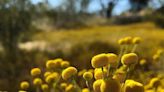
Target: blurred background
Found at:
33, 31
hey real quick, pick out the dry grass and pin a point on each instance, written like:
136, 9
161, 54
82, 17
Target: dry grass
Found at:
153, 37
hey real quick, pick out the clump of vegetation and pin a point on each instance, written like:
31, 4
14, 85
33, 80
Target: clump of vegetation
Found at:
110, 73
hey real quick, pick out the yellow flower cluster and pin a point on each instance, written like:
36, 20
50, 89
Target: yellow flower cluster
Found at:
110, 73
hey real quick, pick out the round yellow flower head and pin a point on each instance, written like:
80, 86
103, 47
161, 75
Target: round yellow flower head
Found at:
155, 82
133, 86
112, 58
70, 88
99, 60
119, 75
88, 76
37, 81
80, 73
96, 85
51, 64
121, 41
130, 58
63, 85
52, 77
35, 72
156, 57
110, 85
24, 85
128, 40
65, 64
99, 74
160, 51
69, 72
44, 87
46, 74
136, 40
85, 90
142, 62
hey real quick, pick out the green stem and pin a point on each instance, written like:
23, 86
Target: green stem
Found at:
134, 48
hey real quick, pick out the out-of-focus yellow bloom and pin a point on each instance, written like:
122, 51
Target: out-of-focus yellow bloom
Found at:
156, 57
85, 90
121, 41
35, 72
91, 70
160, 51
37, 81
128, 40
88, 76
130, 58
44, 87
133, 86
24, 85
52, 77
69, 72
46, 74
22, 91
142, 62
65, 64
63, 85
70, 88
136, 40
99, 60
112, 58
99, 74
119, 75
51, 64
155, 82
80, 73
96, 85
110, 85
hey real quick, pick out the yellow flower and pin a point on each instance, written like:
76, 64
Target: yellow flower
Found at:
65, 64
128, 40
70, 88
37, 81
112, 58
142, 62
46, 74
51, 64
88, 76
35, 72
155, 82
119, 75
52, 77
44, 87
133, 86
80, 73
96, 85
121, 41
85, 90
63, 85
130, 58
156, 57
110, 85
136, 40
99, 74
24, 85
69, 72
99, 60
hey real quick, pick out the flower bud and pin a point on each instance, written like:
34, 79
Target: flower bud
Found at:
35, 72
99, 60
96, 85
129, 59
24, 85
88, 76
133, 86
69, 72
